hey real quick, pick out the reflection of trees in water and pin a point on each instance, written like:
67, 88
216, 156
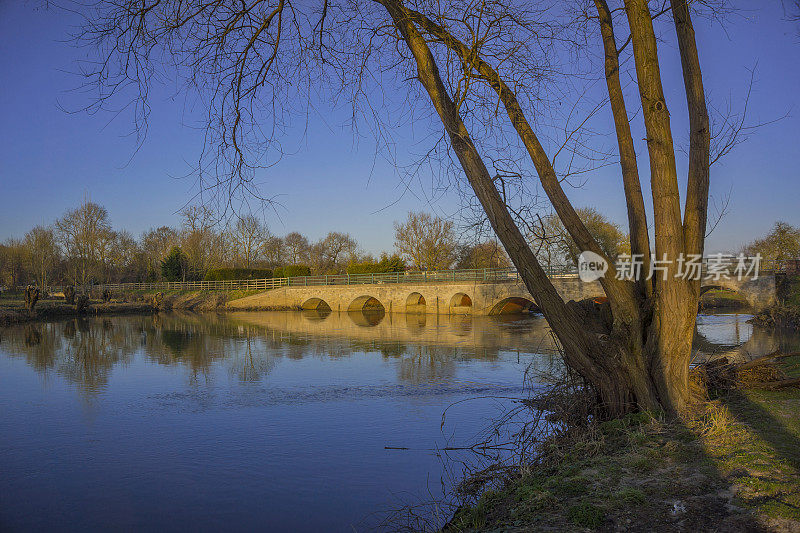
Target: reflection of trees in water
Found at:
425, 347
81, 350
428, 364
198, 342
253, 362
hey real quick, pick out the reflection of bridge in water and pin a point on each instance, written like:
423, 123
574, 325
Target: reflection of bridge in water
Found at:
249, 344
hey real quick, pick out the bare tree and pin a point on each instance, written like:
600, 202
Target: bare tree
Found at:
554, 240
296, 248
199, 240
428, 242
333, 253
249, 234
14, 255
156, 244
254, 60
487, 254
43, 253
273, 250
85, 234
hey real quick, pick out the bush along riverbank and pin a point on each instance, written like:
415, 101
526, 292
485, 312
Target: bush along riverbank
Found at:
732, 464
785, 314
13, 308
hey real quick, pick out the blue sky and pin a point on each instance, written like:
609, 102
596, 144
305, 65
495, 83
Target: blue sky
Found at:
49, 159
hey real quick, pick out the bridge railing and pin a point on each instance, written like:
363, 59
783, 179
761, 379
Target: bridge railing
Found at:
488, 275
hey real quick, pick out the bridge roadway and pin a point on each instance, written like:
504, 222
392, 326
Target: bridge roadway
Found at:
474, 297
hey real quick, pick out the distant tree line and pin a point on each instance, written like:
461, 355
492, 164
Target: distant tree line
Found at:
82, 247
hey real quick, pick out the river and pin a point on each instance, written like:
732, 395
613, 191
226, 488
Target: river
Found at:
274, 421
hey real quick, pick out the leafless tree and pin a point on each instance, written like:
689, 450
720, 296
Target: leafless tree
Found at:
485, 69
333, 253
274, 251
296, 248
249, 234
12, 259
156, 244
85, 234
427, 241
487, 254
43, 253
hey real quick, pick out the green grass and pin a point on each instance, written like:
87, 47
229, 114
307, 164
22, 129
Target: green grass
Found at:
644, 473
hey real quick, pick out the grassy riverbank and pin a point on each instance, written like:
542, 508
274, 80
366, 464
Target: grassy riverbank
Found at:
13, 311
732, 466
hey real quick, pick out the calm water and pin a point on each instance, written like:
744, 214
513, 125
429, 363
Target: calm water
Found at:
274, 421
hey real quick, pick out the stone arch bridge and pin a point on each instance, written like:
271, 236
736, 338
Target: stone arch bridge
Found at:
460, 297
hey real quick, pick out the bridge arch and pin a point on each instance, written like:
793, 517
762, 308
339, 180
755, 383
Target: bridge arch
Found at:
461, 302
315, 304
513, 305
366, 303
415, 303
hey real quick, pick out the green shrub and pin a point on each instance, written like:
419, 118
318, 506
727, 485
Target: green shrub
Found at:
586, 515
290, 271
224, 274
388, 263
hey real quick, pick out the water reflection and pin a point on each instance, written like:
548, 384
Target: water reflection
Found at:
731, 336
85, 350
286, 414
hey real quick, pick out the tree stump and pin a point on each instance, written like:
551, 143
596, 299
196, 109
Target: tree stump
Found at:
157, 299
106, 295
69, 295
31, 297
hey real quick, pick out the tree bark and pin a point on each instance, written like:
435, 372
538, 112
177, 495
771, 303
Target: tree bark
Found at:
641, 360
605, 364
637, 216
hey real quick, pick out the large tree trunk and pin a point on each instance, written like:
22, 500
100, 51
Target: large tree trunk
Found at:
639, 359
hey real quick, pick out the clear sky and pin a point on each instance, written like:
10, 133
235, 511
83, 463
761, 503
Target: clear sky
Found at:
50, 159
